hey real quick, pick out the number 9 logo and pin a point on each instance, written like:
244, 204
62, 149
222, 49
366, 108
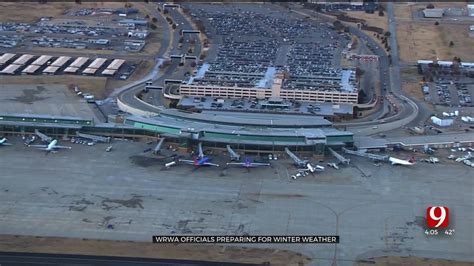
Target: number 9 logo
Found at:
437, 217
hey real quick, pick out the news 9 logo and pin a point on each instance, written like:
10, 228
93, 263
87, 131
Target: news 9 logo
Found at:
437, 217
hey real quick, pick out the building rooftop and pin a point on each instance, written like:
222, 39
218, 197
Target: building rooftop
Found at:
250, 119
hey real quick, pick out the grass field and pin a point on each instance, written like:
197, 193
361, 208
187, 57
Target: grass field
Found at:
421, 39
372, 19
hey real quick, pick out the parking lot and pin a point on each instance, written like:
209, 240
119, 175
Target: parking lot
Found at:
451, 93
253, 42
88, 28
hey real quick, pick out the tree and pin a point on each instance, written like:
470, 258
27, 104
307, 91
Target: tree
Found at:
387, 34
193, 64
78, 2
430, 6
147, 16
153, 26
158, 8
190, 51
337, 25
381, 14
173, 26
436, 23
181, 40
451, 43
154, 20
165, 11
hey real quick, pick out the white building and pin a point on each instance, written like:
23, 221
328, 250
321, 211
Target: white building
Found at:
470, 10
433, 12
442, 122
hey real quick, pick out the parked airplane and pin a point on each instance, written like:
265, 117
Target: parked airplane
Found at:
43, 137
333, 165
3, 142
297, 161
204, 161
432, 160
312, 169
248, 163
396, 161
50, 147
201, 160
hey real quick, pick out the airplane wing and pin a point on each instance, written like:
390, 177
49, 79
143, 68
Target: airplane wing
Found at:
399, 161
186, 161
38, 146
210, 164
61, 147
259, 164
235, 163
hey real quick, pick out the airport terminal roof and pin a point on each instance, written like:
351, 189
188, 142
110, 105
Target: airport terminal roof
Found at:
250, 119
439, 139
236, 134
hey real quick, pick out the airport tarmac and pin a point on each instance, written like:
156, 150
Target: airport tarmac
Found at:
376, 210
43, 100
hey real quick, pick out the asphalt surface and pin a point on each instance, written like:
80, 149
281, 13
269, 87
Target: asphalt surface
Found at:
18, 258
127, 94
376, 210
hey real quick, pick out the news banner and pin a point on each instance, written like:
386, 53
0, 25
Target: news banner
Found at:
302, 239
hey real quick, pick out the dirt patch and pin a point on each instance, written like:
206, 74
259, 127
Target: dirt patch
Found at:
411, 261
86, 52
411, 82
371, 19
134, 202
30, 12
422, 39
30, 95
58, 245
145, 161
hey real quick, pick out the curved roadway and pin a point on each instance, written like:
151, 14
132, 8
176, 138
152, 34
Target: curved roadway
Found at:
127, 94
408, 110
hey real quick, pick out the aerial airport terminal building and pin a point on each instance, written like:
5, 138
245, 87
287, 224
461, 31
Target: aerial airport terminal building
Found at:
251, 133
